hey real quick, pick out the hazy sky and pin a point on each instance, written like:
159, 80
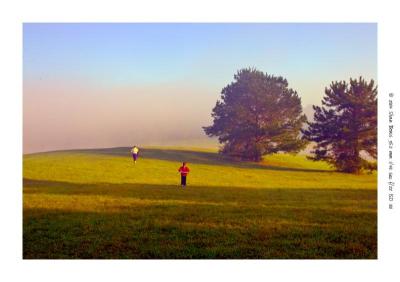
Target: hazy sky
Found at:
104, 85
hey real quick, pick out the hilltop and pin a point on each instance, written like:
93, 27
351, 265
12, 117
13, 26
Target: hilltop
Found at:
96, 203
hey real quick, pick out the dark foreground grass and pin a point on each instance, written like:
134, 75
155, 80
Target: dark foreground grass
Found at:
133, 220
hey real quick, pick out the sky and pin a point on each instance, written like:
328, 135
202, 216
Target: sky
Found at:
108, 85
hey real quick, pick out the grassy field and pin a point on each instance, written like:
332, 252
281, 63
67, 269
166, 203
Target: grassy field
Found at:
98, 204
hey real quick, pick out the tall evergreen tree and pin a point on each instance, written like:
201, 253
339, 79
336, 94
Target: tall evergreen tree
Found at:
257, 114
345, 125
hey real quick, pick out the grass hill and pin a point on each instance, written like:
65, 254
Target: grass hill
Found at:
97, 204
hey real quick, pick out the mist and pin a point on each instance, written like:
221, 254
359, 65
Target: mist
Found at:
63, 115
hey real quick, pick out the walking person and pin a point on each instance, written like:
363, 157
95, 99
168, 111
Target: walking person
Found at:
135, 153
184, 170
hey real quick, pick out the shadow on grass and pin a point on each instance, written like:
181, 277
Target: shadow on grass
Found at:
54, 234
246, 223
305, 196
194, 157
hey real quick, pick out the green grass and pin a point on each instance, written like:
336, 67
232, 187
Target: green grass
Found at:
98, 204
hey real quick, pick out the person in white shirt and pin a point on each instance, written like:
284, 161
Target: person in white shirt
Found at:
135, 153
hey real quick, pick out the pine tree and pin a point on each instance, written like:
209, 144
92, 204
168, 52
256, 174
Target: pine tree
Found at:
345, 125
257, 114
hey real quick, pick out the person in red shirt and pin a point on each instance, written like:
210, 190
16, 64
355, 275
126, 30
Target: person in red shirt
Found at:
184, 170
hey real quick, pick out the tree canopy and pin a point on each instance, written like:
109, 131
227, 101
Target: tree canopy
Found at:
345, 125
258, 114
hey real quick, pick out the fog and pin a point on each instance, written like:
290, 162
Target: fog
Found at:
60, 115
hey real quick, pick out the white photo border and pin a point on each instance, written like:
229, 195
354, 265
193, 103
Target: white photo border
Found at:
15, 13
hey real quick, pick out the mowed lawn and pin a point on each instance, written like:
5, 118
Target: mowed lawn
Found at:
98, 204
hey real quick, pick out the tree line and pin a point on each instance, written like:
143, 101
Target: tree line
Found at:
258, 114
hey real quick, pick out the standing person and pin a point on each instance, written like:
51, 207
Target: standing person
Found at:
135, 153
184, 170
